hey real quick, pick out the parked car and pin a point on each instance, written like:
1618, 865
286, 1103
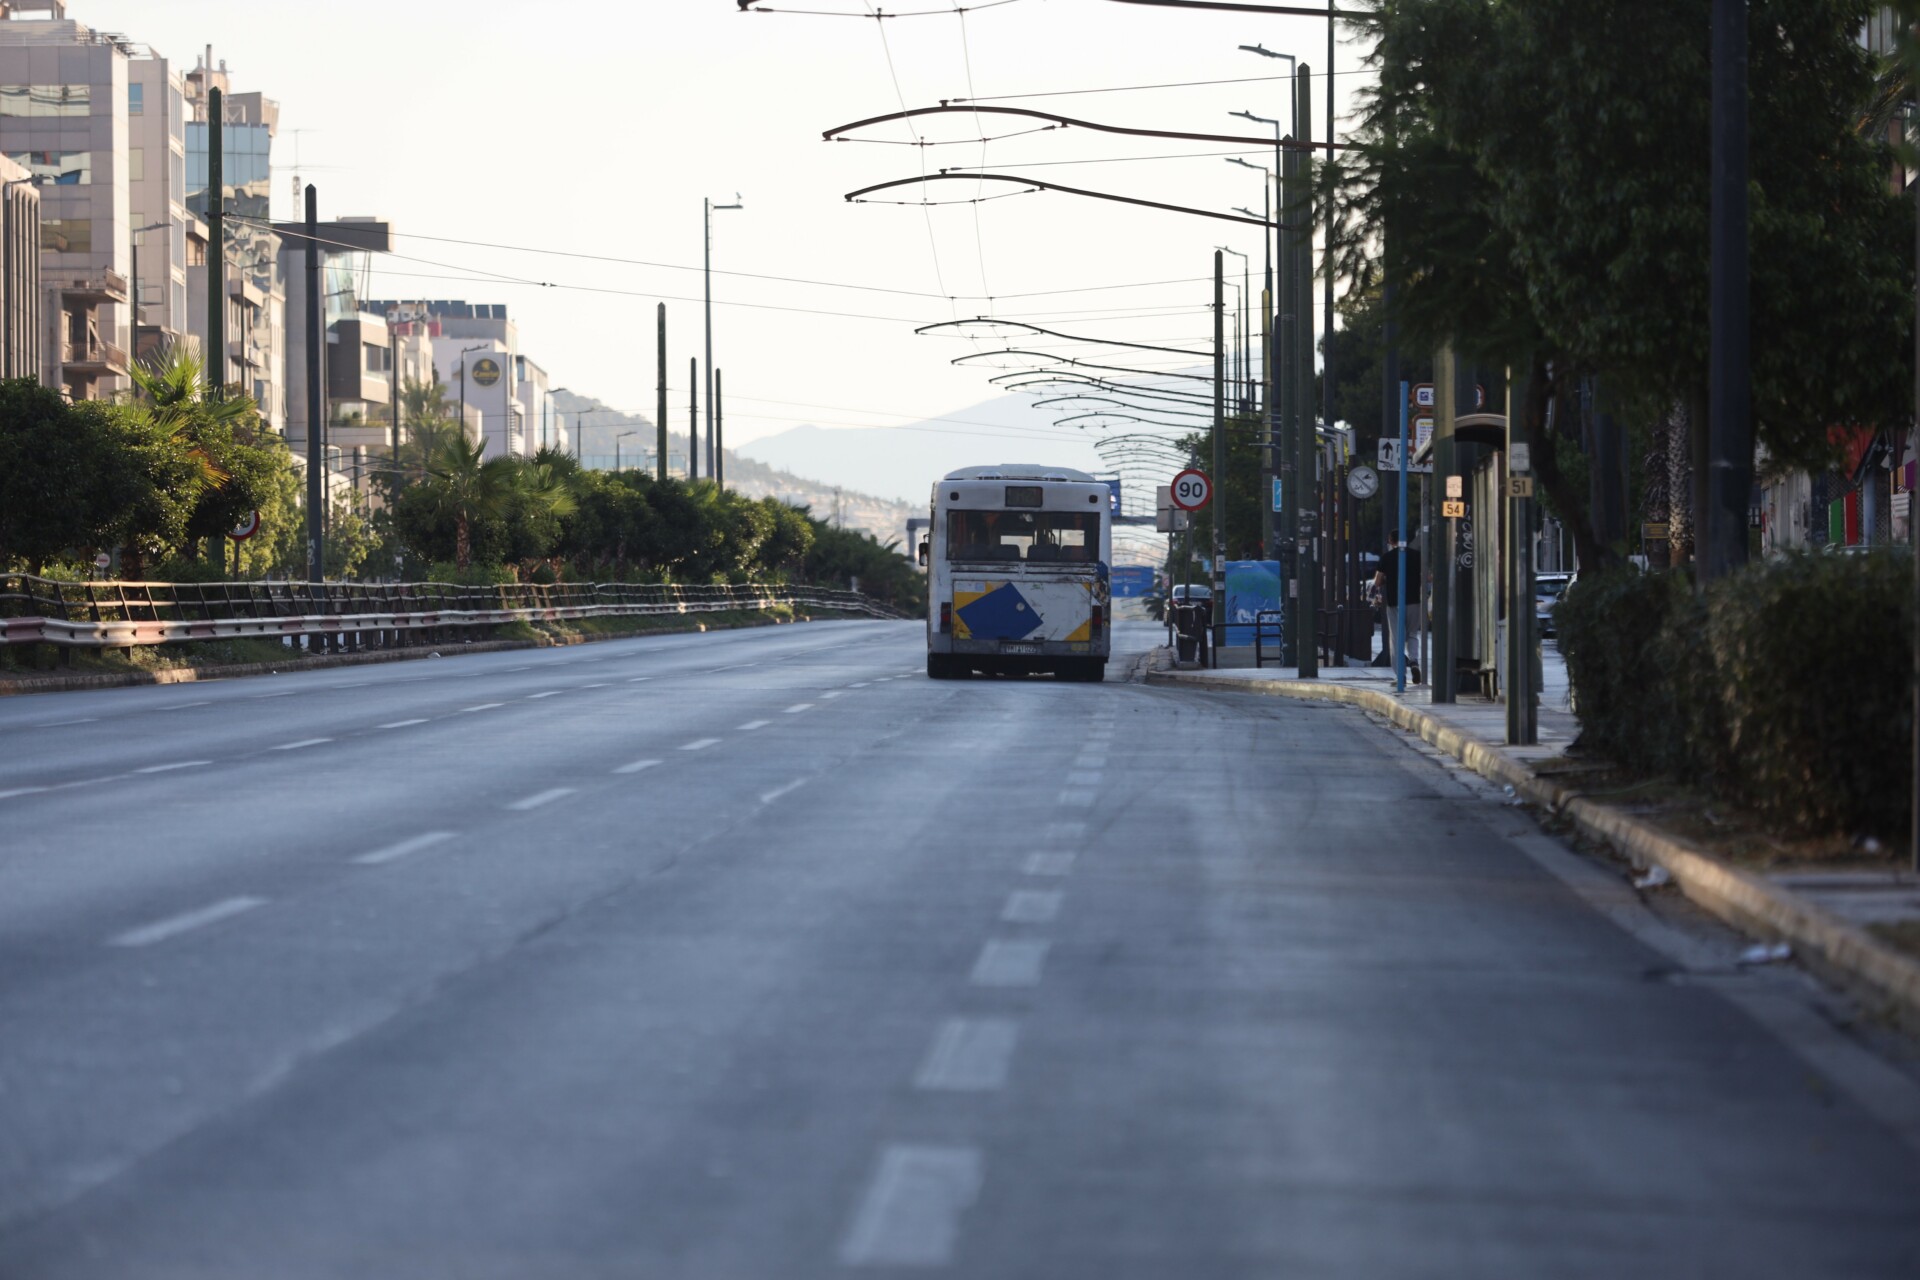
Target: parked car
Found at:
1547, 590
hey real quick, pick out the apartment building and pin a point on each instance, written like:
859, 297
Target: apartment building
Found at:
476, 354
64, 91
156, 183
20, 346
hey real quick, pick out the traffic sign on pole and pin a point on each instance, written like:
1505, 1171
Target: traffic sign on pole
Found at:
1191, 490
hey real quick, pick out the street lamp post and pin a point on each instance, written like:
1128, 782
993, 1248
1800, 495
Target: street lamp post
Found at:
133, 344
616, 448
707, 273
478, 346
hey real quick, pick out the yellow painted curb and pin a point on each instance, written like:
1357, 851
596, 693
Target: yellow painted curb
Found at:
1747, 901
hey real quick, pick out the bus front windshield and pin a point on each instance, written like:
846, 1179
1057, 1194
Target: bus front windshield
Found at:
1033, 536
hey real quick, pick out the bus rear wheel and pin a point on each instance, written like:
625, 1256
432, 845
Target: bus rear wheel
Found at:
1084, 670
941, 666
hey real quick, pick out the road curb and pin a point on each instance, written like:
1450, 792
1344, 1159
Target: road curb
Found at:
1747, 901
236, 670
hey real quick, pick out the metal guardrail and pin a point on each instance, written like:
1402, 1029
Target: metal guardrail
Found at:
115, 615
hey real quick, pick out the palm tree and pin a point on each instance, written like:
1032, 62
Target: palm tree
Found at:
468, 486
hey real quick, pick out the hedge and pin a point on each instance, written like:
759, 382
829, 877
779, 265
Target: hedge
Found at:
1784, 687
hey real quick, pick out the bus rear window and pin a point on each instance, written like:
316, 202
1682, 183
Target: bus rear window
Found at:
1033, 536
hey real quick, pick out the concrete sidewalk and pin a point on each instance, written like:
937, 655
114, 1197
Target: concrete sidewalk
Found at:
1828, 916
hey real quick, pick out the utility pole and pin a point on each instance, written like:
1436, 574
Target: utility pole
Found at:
1444, 462
719, 436
693, 418
660, 414
1523, 715
1306, 461
706, 242
1729, 396
1219, 566
216, 370
316, 411
1286, 325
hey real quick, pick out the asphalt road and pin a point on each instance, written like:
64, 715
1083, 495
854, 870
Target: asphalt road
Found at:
758, 954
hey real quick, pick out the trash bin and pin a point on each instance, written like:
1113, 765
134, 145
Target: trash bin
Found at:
1185, 647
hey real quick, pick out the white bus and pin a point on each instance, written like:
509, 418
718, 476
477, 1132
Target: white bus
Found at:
1017, 580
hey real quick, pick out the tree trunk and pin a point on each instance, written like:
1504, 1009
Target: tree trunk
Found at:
1541, 389
1686, 424
1658, 508
462, 542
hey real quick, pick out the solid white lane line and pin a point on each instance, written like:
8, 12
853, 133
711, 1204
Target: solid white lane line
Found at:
910, 1215
485, 706
969, 1055
1031, 906
182, 706
539, 798
548, 694
768, 797
751, 725
1084, 778
304, 742
169, 768
636, 766
22, 791
1077, 798
1048, 864
1058, 832
798, 707
405, 847
160, 930
401, 724
701, 744
1009, 962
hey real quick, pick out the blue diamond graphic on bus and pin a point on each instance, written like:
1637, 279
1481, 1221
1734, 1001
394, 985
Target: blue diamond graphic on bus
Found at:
1001, 614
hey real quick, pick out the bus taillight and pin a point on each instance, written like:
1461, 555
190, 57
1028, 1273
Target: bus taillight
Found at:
946, 617
1099, 617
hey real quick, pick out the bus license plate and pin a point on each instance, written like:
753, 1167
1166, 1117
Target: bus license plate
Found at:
1020, 648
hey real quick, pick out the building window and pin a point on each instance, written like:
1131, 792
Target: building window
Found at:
377, 358
136, 99
60, 168
66, 235
136, 164
45, 100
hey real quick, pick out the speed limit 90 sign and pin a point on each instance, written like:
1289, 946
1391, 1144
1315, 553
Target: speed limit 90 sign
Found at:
1191, 490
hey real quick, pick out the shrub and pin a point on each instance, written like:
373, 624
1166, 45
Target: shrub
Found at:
1783, 687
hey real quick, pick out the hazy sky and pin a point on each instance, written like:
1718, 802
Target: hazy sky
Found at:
595, 128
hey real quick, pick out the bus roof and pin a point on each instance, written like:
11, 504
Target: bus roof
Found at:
1021, 471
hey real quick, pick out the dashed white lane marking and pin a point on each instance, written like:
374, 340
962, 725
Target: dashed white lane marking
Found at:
262, 697
910, 1215
1091, 762
1031, 906
638, 679
863, 684
831, 693
357, 684
485, 706
304, 742
636, 766
601, 685
401, 724
1009, 962
539, 798
1048, 864
169, 768
22, 791
798, 707
1084, 778
768, 797
751, 725
701, 744
969, 1055
507, 670
405, 847
548, 694
182, 706
1062, 831
1078, 798
160, 930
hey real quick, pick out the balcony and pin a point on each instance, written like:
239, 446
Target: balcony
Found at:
103, 286
96, 358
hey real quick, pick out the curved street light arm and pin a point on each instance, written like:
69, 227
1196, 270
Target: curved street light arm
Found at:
1059, 121
1080, 364
1054, 333
1286, 10
1045, 377
854, 196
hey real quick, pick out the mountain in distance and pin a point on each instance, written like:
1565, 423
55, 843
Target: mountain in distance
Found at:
903, 462
596, 427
